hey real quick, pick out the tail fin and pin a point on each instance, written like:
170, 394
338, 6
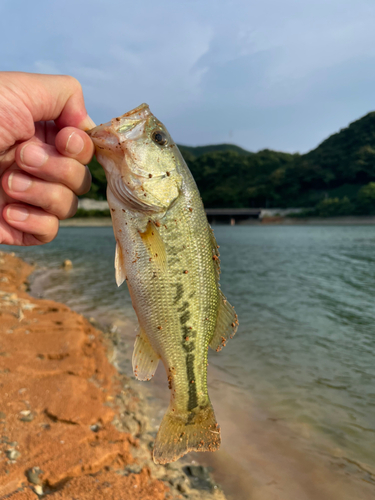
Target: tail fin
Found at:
181, 432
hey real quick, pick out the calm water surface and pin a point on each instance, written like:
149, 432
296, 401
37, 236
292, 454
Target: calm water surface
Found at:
305, 300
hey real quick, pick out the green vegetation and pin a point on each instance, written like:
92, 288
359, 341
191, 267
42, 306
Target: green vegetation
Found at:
92, 213
336, 178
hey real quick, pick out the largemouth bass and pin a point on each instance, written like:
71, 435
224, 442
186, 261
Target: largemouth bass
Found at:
168, 255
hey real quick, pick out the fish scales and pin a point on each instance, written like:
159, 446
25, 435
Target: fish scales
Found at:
167, 254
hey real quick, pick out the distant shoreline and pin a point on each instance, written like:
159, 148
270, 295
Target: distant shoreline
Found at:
317, 221
267, 221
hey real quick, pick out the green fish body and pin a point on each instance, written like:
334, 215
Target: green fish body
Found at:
167, 253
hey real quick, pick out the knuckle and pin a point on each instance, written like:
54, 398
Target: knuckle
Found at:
68, 172
52, 228
86, 183
55, 200
73, 83
73, 208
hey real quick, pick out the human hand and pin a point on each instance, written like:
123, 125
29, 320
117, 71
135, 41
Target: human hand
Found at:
42, 162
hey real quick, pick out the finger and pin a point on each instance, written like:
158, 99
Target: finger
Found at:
50, 97
75, 144
46, 132
46, 163
7, 157
39, 226
54, 198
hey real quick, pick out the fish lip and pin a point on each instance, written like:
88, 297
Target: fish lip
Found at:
143, 112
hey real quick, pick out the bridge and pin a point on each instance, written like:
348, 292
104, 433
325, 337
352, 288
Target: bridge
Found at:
231, 215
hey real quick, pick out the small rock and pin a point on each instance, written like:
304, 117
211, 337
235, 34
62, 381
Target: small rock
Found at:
182, 488
67, 264
134, 468
95, 427
2, 415
198, 471
13, 454
200, 477
4, 279
28, 307
38, 489
33, 475
26, 416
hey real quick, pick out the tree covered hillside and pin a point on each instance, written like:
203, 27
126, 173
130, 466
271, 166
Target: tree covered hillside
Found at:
229, 176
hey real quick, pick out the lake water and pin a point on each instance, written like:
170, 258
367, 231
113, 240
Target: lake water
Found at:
305, 350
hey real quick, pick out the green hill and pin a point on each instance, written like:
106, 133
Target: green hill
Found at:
196, 151
229, 176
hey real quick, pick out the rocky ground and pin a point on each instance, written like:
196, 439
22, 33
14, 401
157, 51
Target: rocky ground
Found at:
71, 427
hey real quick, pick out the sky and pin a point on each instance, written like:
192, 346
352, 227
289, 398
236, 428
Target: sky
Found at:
277, 74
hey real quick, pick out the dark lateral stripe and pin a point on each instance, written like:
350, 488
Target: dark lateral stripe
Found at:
179, 292
193, 401
184, 306
184, 318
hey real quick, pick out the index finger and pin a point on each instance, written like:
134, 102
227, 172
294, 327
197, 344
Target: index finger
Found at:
50, 97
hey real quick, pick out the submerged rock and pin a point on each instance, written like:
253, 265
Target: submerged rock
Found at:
67, 264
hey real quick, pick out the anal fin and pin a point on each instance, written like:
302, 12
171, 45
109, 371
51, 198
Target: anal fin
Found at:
226, 324
145, 360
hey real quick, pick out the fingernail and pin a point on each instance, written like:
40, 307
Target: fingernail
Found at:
75, 144
33, 155
18, 182
17, 214
87, 123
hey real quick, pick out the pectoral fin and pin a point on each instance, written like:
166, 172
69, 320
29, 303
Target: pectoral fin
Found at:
155, 245
145, 360
119, 265
226, 324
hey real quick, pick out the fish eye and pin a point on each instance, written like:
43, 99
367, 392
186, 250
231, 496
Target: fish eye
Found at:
159, 137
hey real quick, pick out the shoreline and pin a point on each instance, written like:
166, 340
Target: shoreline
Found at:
69, 421
266, 221
261, 457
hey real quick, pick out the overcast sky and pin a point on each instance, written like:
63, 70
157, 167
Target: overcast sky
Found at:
279, 74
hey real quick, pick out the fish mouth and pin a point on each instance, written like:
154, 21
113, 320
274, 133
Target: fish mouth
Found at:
139, 113
121, 125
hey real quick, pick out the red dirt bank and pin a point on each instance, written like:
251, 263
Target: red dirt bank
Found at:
57, 401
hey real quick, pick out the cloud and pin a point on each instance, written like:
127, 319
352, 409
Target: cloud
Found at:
278, 73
